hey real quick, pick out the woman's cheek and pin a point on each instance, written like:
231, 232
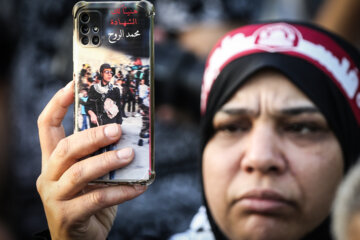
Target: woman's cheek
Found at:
318, 171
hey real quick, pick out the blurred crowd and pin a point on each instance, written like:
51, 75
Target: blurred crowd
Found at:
37, 60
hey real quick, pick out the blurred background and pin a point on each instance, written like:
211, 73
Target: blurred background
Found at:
36, 61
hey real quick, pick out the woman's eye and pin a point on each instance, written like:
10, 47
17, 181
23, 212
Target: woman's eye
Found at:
303, 128
234, 127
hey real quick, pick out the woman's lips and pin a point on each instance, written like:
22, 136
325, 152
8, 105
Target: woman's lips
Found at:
264, 201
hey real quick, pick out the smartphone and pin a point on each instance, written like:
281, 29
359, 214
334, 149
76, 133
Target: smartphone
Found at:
113, 62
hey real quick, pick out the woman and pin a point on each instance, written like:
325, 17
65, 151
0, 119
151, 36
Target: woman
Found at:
280, 104
280, 127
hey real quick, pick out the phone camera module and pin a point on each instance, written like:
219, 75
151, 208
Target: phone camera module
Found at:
84, 29
85, 40
95, 40
85, 17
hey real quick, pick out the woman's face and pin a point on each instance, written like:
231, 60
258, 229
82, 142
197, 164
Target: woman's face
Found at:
273, 165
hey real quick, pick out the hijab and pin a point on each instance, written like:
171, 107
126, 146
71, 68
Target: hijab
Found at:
321, 64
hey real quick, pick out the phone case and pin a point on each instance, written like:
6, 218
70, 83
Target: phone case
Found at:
113, 57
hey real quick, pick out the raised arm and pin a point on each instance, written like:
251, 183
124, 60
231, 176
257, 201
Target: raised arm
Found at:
74, 209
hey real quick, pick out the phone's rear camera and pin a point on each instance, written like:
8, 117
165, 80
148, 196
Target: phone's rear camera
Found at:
84, 29
95, 40
85, 40
95, 29
84, 17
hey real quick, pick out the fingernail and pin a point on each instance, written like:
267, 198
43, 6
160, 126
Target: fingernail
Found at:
111, 130
124, 153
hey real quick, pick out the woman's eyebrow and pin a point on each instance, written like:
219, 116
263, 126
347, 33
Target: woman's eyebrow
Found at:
299, 110
238, 111
291, 111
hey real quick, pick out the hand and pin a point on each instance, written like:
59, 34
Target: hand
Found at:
93, 117
74, 209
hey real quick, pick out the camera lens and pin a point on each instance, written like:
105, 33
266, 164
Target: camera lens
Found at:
95, 40
84, 29
85, 40
95, 29
84, 17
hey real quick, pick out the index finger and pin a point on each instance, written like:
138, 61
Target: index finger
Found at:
50, 126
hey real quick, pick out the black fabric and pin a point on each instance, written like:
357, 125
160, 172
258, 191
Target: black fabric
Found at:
44, 235
96, 101
309, 79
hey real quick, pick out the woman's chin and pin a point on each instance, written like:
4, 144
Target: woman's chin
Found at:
262, 227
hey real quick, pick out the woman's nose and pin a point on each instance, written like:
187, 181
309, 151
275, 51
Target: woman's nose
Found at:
264, 151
